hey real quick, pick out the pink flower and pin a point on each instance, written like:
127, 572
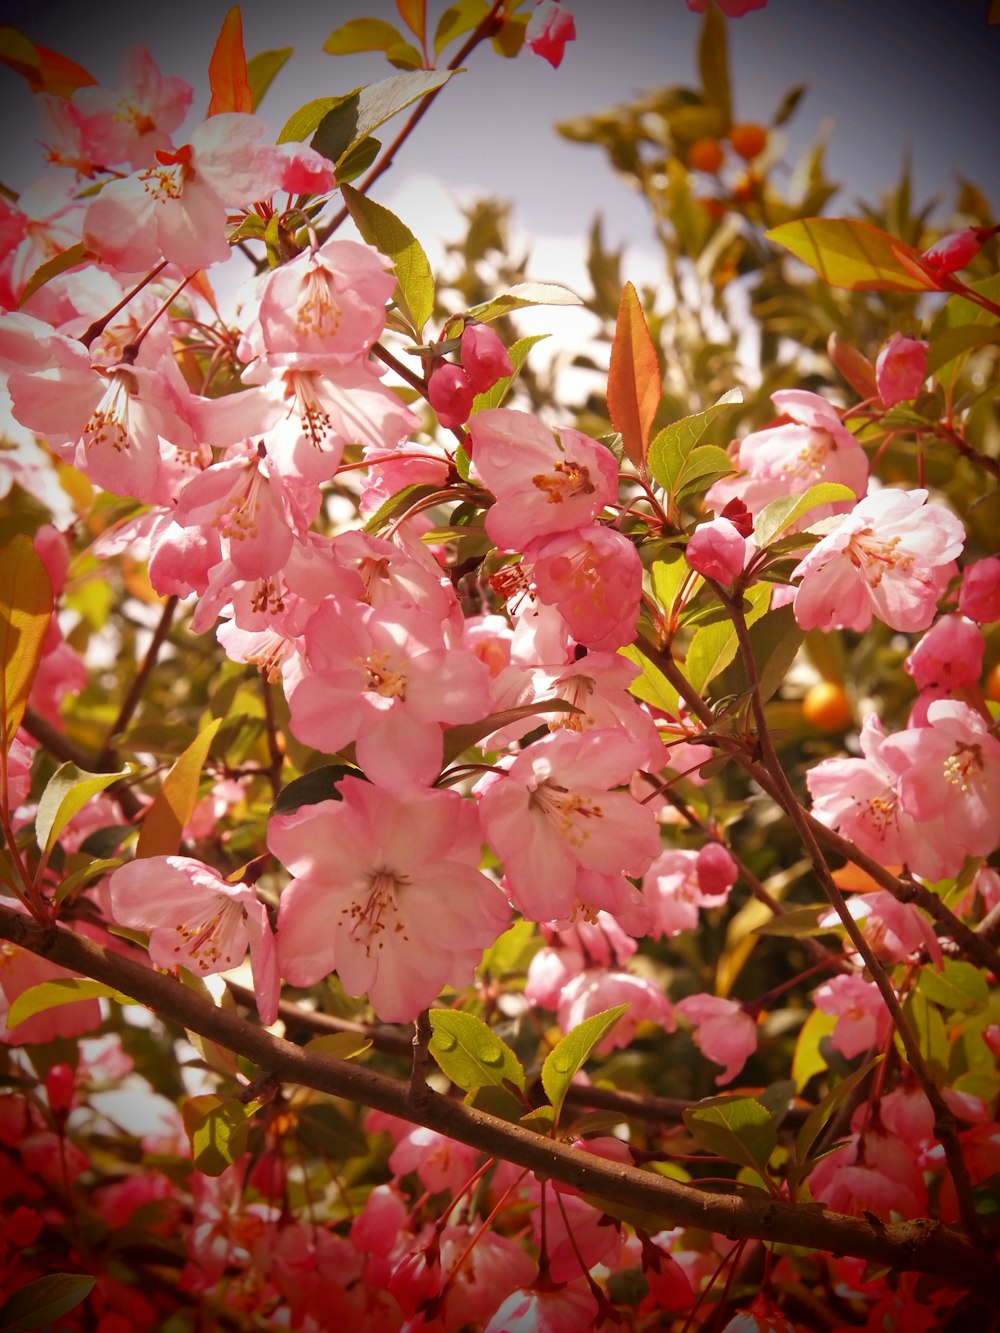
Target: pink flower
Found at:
893, 556
901, 369
560, 831
680, 882
450, 393
484, 357
197, 920
597, 988
979, 597
718, 550
386, 891
949, 655
724, 1033
133, 123
544, 482
567, 1310
862, 1018
593, 576
955, 250
550, 27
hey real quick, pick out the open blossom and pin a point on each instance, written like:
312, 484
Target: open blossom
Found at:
680, 883
979, 596
544, 482
197, 920
863, 1021
133, 122
892, 556
386, 891
593, 576
949, 655
724, 1033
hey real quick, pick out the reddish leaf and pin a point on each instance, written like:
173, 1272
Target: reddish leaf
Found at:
414, 15
227, 70
46, 71
633, 378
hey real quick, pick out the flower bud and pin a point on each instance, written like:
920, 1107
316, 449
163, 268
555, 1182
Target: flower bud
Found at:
484, 357
979, 598
900, 369
450, 394
549, 29
60, 1085
718, 550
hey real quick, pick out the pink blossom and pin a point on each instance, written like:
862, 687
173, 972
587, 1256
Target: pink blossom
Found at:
545, 482
680, 882
134, 122
979, 596
901, 369
955, 250
441, 1164
305, 170
724, 1033
197, 920
892, 556
597, 989
450, 393
593, 576
949, 656
862, 1018
573, 1229
386, 891
567, 1310
550, 27
560, 831
484, 357
718, 550
17, 776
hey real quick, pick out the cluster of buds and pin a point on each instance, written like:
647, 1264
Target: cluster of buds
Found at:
452, 387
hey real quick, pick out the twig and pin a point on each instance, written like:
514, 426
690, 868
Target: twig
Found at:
134, 694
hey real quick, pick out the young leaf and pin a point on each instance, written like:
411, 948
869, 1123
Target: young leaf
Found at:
852, 254
46, 71
361, 114
64, 990
261, 71
312, 787
174, 803
566, 1059
300, 124
68, 791
713, 647
520, 297
652, 686
674, 445
780, 514
338, 1045
471, 1053
362, 35
25, 612
414, 15
738, 1129
958, 988
819, 1116
61, 263
227, 69
458, 19
517, 352
634, 385
39, 1303
217, 1128
381, 228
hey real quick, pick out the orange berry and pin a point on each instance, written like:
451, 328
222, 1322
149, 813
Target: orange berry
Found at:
827, 707
991, 687
748, 140
705, 155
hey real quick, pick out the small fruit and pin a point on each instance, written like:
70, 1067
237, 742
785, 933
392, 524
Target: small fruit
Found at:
705, 155
827, 707
749, 141
991, 686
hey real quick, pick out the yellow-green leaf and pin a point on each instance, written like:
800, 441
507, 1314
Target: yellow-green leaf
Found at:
714, 646
738, 1129
61, 263
634, 386
568, 1057
383, 229
776, 517
303, 122
855, 255
471, 1053
261, 70
174, 803
338, 1045
25, 612
64, 990
68, 791
217, 1128
652, 685
362, 35
671, 455
356, 117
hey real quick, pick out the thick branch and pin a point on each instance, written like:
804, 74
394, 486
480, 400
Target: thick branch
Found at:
921, 1245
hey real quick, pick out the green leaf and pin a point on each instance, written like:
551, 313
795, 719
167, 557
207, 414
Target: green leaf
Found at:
60, 263
338, 1045
217, 1128
520, 297
669, 574
84, 874
25, 612
713, 647
325, 1131
68, 791
958, 988
261, 71
173, 805
797, 923
780, 514
357, 161
955, 342
300, 124
362, 35
855, 255
652, 686
358, 115
808, 1059
458, 19
568, 1057
471, 1053
64, 990
381, 228
517, 352
37, 1304
673, 445
397, 503
775, 640
459, 738
819, 1116
634, 384
312, 787
738, 1129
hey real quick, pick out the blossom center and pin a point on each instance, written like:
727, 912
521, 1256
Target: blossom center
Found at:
961, 767
568, 810
313, 416
875, 557
383, 679
564, 481
378, 911
108, 423
318, 311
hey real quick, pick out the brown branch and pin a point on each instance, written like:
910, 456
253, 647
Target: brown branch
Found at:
107, 757
62, 748
921, 1245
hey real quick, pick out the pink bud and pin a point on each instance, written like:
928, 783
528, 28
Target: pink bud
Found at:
718, 550
549, 29
955, 250
949, 655
716, 871
450, 394
900, 369
60, 1084
484, 357
979, 598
